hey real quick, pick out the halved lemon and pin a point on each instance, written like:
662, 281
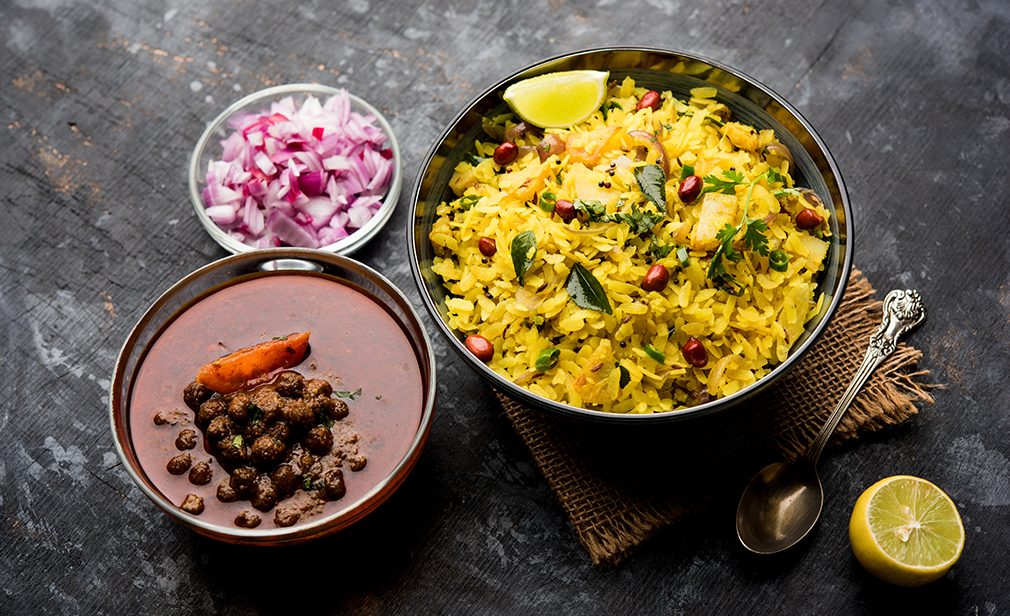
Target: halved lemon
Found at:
906, 531
558, 100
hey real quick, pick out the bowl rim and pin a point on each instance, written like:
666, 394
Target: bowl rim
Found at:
345, 246
323, 524
567, 410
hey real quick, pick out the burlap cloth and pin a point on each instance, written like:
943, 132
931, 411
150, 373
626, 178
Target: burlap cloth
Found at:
619, 485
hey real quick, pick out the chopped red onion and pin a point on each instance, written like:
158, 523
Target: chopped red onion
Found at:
304, 176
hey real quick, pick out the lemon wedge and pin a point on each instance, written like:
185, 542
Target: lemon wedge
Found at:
558, 100
906, 531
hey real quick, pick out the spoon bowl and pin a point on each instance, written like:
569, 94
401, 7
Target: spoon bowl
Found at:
779, 506
783, 501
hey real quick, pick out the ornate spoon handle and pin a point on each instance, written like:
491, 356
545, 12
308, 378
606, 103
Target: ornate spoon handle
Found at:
903, 310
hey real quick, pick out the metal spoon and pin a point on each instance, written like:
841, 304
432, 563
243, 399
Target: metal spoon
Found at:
783, 501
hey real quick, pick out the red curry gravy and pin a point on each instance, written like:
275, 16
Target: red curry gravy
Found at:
355, 343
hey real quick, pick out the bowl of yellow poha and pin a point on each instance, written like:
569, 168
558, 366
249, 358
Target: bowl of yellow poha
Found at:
666, 256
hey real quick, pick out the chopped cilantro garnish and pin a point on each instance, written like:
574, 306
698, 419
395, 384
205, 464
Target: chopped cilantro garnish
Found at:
594, 210
726, 184
351, 395
754, 239
660, 251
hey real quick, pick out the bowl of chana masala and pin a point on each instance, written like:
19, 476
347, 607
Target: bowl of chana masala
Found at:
274, 396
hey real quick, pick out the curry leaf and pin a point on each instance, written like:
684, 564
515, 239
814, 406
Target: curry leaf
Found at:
586, 291
625, 377
524, 249
652, 183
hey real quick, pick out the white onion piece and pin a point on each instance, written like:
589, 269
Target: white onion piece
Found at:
299, 176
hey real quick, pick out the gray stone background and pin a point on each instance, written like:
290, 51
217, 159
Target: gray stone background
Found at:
101, 104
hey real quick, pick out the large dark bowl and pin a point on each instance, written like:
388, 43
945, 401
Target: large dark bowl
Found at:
751, 102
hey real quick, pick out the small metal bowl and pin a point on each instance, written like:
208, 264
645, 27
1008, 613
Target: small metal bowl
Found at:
750, 101
199, 284
208, 148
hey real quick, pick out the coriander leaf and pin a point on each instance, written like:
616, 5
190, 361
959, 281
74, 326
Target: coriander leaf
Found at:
640, 221
594, 210
351, 395
586, 291
725, 237
774, 177
754, 237
660, 251
524, 249
307, 483
725, 184
236, 442
717, 269
652, 183
686, 171
547, 359
473, 159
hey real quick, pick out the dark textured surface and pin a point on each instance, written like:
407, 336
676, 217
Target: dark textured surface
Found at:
101, 104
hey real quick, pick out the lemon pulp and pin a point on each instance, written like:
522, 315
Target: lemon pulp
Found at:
558, 100
906, 531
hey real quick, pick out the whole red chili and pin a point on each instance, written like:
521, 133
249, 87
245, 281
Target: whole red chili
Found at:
650, 99
690, 188
480, 346
487, 246
656, 278
565, 210
695, 353
505, 153
808, 219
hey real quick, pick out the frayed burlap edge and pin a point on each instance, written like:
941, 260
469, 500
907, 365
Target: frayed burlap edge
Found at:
609, 524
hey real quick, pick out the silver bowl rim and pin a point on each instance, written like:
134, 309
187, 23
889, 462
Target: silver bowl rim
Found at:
344, 247
570, 411
298, 531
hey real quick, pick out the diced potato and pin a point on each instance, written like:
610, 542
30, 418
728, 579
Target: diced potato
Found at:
817, 249
743, 137
717, 211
